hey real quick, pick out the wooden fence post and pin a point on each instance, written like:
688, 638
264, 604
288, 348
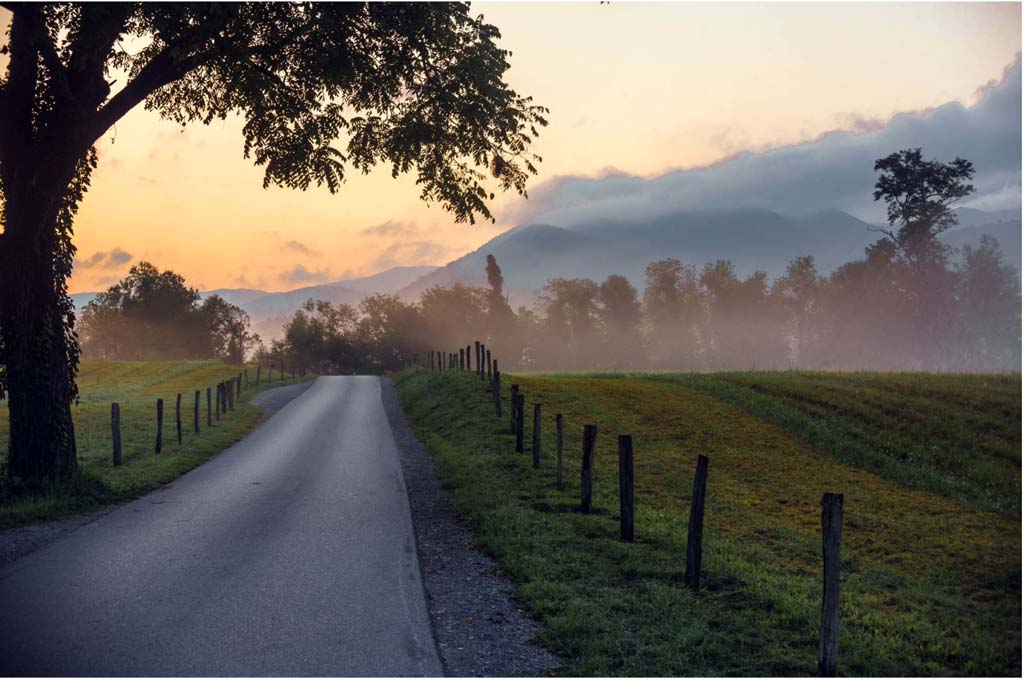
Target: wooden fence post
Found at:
482, 370
513, 401
831, 535
476, 356
209, 417
490, 366
559, 482
177, 416
520, 421
195, 413
496, 390
462, 358
229, 394
587, 468
159, 425
536, 436
467, 356
115, 431
695, 529
626, 487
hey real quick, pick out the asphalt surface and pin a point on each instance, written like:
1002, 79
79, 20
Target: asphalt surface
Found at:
290, 554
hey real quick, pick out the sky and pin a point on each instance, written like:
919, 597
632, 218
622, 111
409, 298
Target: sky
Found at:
642, 90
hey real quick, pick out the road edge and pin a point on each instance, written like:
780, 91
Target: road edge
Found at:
479, 629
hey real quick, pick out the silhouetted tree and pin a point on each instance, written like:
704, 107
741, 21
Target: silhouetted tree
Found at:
228, 328
673, 309
621, 317
990, 308
147, 315
570, 307
798, 292
451, 315
415, 86
503, 335
918, 195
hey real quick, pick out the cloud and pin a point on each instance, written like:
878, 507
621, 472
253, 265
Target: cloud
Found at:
411, 253
245, 282
104, 260
299, 247
834, 171
300, 275
392, 229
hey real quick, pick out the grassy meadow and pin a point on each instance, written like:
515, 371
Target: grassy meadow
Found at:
929, 466
136, 387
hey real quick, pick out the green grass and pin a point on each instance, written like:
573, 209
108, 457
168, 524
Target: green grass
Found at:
136, 387
931, 577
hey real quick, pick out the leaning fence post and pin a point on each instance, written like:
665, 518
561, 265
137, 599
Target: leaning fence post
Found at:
587, 468
536, 436
626, 487
159, 424
831, 534
209, 417
177, 416
559, 483
695, 530
490, 366
115, 431
520, 421
195, 413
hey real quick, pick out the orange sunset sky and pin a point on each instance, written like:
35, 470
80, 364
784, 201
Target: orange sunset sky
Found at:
640, 88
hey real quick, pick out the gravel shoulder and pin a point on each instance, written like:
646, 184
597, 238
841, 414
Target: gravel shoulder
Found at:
480, 630
21, 541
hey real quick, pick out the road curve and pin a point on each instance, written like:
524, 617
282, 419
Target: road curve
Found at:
290, 554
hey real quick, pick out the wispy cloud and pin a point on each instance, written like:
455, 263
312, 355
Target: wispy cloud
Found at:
411, 253
392, 229
299, 247
104, 260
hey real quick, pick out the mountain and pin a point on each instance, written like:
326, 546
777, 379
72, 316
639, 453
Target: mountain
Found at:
388, 281
751, 239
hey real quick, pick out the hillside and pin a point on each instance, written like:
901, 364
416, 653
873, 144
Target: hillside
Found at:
930, 546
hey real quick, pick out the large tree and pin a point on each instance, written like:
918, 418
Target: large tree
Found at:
322, 89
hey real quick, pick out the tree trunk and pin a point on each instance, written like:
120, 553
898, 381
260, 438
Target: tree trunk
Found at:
34, 348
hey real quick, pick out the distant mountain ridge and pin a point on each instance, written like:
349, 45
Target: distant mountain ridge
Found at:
531, 254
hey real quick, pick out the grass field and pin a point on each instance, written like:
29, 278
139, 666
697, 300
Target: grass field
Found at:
136, 387
930, 469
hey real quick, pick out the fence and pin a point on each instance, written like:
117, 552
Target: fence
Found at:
831, 503
218, 404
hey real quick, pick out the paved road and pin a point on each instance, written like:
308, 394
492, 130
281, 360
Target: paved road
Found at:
290, 554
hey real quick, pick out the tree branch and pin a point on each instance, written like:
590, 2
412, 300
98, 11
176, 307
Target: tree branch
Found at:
161, 70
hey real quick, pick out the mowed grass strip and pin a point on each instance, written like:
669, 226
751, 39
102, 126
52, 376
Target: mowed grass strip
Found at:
930, 586
958, 435
136, 387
